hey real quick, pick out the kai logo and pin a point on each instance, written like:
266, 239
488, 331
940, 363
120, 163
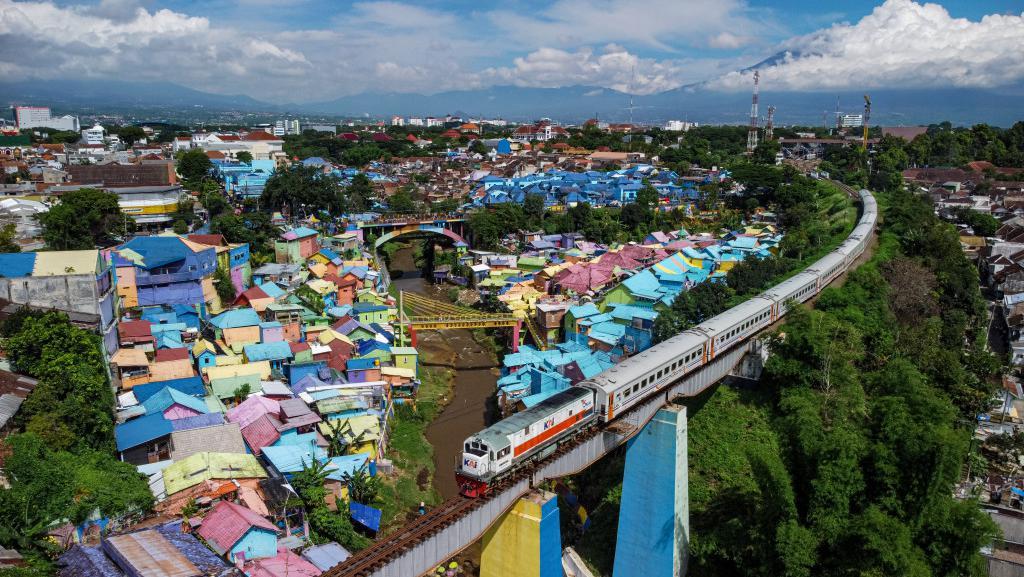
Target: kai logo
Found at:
469, 463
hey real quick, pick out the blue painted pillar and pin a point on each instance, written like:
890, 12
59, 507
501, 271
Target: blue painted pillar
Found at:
526, 542
654, 517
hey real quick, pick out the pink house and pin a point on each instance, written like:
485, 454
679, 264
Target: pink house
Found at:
251, 409
297, 245
174, 404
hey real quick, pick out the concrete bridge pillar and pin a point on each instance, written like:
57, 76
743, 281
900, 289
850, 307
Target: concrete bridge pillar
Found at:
526, 542
654, 517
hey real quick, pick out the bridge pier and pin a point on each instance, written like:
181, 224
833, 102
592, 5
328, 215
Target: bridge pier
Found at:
515, 336
654, 517
526, 542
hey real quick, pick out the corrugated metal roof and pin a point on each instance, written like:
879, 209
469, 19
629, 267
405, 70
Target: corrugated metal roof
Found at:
148, 554
223, 438
205, 466
227, 523
67, 262
261, 433
168, 396
326, 556
9, 405
17, 264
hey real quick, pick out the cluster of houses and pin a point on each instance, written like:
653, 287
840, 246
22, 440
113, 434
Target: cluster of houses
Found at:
586, 306
220, 402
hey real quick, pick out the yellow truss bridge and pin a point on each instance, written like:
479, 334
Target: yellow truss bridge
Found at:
420, 313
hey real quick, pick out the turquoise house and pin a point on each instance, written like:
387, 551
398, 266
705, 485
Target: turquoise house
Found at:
238, 532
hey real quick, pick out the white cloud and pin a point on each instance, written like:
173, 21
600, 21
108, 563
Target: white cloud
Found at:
120, 39
661, 24
900, 44
729, 41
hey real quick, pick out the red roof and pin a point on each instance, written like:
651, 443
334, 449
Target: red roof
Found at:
209, 239
285, 564
524, 130
381, 137
135, 330
298, 347
228, 137
227, 523
260, 135
172, 355
411, 137
214, 154
348, 136
450, 134
261, 433
251, 294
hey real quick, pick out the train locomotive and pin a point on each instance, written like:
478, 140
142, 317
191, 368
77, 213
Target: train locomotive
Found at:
535, 433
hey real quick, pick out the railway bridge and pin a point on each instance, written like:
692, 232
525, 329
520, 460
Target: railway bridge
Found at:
440, 534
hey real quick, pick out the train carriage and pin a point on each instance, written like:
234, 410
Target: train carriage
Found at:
512, 441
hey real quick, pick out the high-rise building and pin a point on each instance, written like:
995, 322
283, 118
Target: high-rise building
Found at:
397, 121
679, 125
39, 117
94, 135
283, 127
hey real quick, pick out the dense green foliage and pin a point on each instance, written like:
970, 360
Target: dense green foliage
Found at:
63, 466
861, 398
981, 223
251, 227
223, 285
85, 218
303, 190
49, 485
7, 235
325, 525
194, 165
72, 405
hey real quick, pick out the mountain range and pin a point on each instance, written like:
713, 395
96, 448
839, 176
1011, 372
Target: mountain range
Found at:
568, 104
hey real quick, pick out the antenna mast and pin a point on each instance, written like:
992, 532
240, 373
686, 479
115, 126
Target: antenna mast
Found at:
752, 133
769, 125
867, 116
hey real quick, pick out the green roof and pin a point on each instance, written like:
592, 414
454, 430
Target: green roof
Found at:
225, 387
200, 467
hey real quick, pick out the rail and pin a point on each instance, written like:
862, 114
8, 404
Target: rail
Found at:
450, 528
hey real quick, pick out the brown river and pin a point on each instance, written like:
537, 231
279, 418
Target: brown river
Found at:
472, 406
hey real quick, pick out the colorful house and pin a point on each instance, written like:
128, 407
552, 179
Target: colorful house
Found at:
204, 353
276, 353
162, 270
363, 370
174, 404
238, 533
406, 358
237, 326
368, 313
296, 245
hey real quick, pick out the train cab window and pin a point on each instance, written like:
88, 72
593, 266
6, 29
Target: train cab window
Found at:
636, 387
467, 447
502, 453
527, 430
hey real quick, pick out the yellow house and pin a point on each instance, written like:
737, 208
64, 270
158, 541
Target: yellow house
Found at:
261, 368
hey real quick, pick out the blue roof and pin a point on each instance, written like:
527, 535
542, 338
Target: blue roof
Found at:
629, 312
275, 351
330, 254
365, 515
141, 430
192, 386
366, 347
289, 458
272, 289
368, 308
643, 284
169, 396
338, 466
585, 310
158, 251
236, 318
17, 264
169, 340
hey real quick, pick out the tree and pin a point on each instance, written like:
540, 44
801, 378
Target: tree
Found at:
244, 156
325, 525
302, 189
129, 135
194, 165
401, 201
360, 193
477, 147
180, 226
647, 197
84, 219
533, 207
223, 284
8, 234
362, 488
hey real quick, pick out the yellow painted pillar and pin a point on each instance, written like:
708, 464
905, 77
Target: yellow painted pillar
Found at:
526, 542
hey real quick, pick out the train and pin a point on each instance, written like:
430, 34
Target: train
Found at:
513, 443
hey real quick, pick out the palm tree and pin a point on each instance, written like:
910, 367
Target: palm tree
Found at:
362, 488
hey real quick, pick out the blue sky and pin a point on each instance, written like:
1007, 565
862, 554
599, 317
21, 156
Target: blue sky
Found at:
307, 50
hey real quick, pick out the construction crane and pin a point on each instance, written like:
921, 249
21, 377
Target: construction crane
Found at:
867, 116
752, 133
769, 125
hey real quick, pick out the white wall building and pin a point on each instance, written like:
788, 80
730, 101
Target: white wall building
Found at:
39, 117
94, 135
415, 121
397, 121
432, 122
679, 125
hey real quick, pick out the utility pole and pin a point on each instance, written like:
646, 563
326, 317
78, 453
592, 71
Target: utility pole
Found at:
769, 126
752, 133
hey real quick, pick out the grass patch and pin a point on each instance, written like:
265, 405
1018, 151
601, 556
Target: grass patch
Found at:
412, 455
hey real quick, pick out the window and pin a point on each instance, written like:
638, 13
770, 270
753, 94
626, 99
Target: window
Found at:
636, 387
